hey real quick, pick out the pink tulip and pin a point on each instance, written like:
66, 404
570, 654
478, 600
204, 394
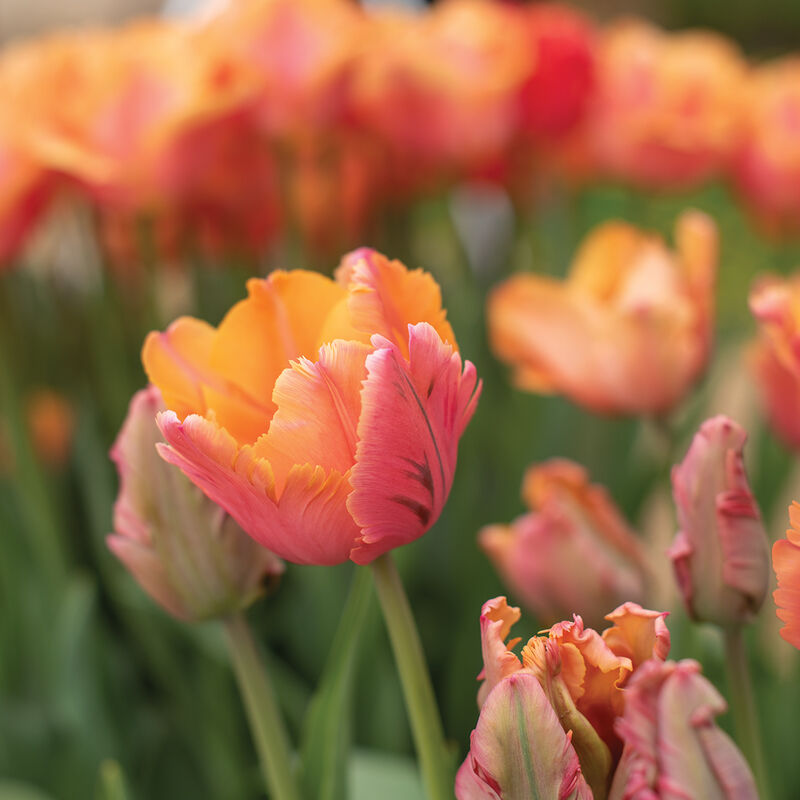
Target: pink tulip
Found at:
673, 748
720, 553
183, 550
573, 553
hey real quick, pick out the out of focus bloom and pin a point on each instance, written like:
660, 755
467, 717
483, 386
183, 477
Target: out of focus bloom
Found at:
581, 672
673, 747
767, 168
573, 552
629, 330
51, 422
775, 303
666, 111
184, 550
786, 563
720, 553
519, 749
323, 415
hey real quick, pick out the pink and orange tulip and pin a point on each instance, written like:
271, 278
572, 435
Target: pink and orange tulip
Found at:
767, 166
629, 330
573, 552
786, 563
184, 551
667, 108
775, 303
673, 748
720, 553
323, 415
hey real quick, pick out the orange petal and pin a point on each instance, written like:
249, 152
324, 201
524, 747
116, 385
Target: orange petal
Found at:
308, 525
385, 298
319, 404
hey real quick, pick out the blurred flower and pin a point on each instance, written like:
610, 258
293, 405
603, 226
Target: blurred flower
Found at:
767, 167
629, 330
51, 422
323, 415
519, 749
673, 748
667, 108
786, 563
775, 303
573, 552
184, 551
720, 553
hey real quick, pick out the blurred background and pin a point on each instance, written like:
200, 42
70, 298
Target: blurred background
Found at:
96, 681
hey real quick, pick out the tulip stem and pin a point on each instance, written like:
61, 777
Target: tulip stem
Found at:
743, 706
426, 724
262, 710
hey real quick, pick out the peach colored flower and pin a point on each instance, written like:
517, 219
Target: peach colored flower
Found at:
666, 111
786, 563
323, 415
573, 552
673, 748
767, 165
720, 553
628, 331
775, 304
183, 550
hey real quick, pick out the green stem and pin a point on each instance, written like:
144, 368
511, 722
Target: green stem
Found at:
262, 711
426, 725
743, 706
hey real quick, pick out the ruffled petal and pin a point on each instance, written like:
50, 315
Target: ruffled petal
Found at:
412, 415
309, 524
786, 563
638, 633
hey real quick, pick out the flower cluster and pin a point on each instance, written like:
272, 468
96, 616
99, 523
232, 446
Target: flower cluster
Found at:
584, 715
314, 116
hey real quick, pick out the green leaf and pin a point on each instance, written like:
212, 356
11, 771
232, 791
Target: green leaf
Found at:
12, 790
389, 777
327, 727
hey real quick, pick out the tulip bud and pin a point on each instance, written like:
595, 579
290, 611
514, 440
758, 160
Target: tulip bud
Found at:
183, 550
720, 553
573, 553
673, 748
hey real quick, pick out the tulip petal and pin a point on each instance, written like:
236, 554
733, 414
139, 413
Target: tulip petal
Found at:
786, 562
638, 633
319, 403
518, 749
385, 298
497, 617
309, 524
413, 413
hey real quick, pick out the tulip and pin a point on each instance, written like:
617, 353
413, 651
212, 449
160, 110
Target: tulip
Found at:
582, 673
666, 111
786, 563
51, 422
184, 551
720, 554
323, 415
629, 330
767, 165
673, 748
774, 303
519, 749
573, 529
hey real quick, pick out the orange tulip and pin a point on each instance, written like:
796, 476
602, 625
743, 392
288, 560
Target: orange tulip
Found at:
786, 563
667, 108
767, 167
323, 415
629, 330
775, 303
573, 552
